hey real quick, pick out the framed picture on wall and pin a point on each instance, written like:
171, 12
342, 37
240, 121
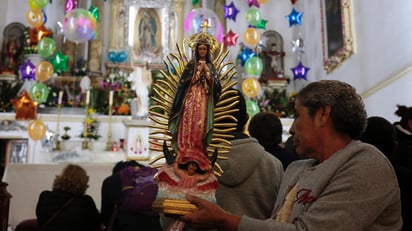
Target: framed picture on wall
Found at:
17, 150
337, 32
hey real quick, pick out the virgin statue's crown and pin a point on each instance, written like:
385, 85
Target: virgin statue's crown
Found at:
203, 38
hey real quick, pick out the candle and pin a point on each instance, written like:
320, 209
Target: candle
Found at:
87, 97
59, 101
111, 98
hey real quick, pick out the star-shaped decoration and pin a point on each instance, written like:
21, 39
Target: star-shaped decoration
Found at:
194, 2
253, 3
24, 107
294, 18
95, 12
59, 62
27, 71
262, 24
230, 39
230, 11
245, 55
300, 71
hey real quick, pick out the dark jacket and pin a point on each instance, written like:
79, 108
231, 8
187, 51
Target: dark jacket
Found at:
125, 221
81, 214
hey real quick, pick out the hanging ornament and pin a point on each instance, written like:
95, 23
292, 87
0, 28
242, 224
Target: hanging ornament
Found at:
27, 71
262, 24
230, 39
24, 107
297, 45
245, 55
294, 18
59, 62
253, 3
230, 11
95, 12
300, 71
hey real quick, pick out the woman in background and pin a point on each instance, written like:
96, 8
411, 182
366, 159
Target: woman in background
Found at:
67, 207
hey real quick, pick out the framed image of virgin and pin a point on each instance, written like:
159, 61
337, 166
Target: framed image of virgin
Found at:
147, 31
337, 36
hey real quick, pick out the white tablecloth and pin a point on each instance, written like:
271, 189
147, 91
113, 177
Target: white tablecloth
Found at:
27, 181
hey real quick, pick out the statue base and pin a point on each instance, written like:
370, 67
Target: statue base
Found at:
173, 206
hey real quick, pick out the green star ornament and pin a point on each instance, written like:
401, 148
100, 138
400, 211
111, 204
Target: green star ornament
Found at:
95, 12
262, 24
59, 62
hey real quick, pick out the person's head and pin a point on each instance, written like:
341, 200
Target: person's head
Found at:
124, 164
266, 127
329, 106
202, 52
406, 116
192, 167
73, 179
382, 134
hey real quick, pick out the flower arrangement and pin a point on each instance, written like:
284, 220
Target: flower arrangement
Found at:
91, 126
277, 101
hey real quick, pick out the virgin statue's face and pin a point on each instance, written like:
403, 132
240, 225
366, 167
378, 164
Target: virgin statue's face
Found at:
202, 51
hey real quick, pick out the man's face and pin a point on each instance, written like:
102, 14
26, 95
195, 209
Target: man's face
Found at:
304, 130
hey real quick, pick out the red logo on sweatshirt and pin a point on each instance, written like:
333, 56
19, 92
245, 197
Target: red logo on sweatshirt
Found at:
303, 196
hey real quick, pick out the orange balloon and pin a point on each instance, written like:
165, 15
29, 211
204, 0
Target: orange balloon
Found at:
36, 129
44, 70
251, 87
251, 36
263, 1
34, 17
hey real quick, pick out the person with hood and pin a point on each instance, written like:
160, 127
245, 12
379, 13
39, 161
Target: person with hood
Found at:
251, 176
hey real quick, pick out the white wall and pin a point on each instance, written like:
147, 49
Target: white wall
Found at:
383, 33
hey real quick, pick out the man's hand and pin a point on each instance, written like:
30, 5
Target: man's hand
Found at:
209, 216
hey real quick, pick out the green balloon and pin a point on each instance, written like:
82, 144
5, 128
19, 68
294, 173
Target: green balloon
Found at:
252, 108
39, 92
253, 16
254, 66
46, 47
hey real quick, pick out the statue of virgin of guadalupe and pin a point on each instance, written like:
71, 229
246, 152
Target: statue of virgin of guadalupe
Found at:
189, 123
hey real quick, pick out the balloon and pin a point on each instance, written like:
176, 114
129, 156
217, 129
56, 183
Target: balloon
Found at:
262, 24
300, 71
297, 45
39, 92
95, 12
253, 3
252, 108
27, 70
46, 47
33, 5
112, 56
196, 16
36, 129
262, 1
79, 25
251, 87
253, 16
24, 106
254, 66
39, 3
70, 5
251, 36
230, 39
44, 71
230, 11
59, 62
122, 56
294, 18
34, 17
245, 55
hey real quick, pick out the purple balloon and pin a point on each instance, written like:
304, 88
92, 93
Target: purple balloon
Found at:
294, 18
300, 71
230, 11
27, 70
